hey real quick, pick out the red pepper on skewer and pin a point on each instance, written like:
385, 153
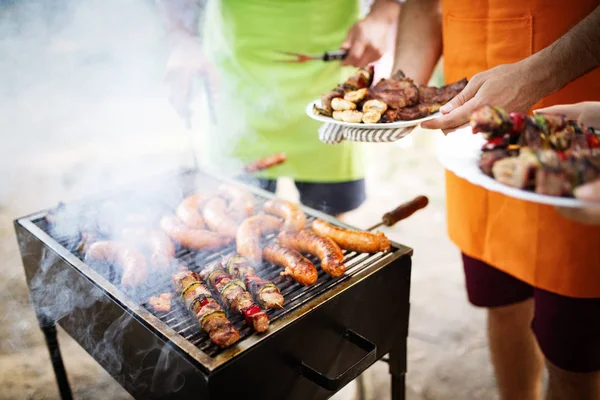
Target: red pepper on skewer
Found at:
518, 122
592, 140
493, 143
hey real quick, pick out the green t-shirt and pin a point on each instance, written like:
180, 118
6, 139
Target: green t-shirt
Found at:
261, 103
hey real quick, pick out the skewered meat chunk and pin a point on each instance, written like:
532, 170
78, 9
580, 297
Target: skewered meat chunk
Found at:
211, 317
265, 292
489, 158
342, 105
233, 293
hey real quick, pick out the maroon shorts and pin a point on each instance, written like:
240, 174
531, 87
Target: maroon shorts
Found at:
567, 329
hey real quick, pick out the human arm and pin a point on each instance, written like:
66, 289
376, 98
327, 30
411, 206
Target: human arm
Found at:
186, 61
367, 39
518, 86
419, 39
588, 114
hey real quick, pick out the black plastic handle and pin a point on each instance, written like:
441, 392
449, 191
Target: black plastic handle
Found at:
336, 383
334, 55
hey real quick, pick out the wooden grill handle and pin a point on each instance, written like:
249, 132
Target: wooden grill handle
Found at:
404, 210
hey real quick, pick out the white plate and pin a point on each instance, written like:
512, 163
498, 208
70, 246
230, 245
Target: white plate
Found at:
390, 125
459, 152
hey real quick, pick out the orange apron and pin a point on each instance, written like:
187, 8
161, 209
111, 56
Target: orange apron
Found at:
529, 241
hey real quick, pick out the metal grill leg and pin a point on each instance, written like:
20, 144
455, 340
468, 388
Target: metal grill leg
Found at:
398, 370
50, 333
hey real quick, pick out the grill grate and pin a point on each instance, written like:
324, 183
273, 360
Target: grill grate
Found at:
183, 322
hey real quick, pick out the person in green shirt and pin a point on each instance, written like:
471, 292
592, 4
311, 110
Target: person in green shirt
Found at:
261, 101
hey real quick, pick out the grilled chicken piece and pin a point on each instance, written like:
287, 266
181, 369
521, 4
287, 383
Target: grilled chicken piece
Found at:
432, 94
397, 92
161, 303
233, 293
211, 317
411, 113
330, 254
265, 292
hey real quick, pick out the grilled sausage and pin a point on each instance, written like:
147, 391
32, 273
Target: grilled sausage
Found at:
195, 239
241, 202
215, 216
154, 243
265, 163
249, 234
211, 317
330, 254
188, 210
133, 263
294, 218
361, 242
294, 264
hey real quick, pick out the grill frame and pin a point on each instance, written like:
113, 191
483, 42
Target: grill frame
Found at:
34, 242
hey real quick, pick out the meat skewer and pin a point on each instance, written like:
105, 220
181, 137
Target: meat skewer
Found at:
294, 218
361, 242
265, 292
211, 317
233, 293
249, 234
294, 264
330, 254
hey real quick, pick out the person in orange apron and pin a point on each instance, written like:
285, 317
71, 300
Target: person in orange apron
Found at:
537, 272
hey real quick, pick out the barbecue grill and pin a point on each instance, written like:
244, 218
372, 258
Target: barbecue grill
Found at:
325, 335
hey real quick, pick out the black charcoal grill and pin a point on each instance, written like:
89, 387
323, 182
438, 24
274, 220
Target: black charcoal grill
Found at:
324, 337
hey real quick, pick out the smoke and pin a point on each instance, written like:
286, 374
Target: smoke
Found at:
85, 111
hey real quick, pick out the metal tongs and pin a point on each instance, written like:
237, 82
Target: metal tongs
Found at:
298, 58
401, 212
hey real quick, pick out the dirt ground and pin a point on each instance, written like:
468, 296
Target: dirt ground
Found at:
83, 110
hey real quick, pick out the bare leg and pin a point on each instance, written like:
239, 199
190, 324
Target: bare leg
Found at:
517, 360
564, 385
